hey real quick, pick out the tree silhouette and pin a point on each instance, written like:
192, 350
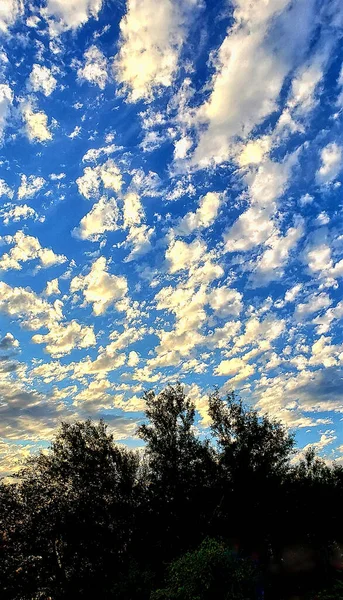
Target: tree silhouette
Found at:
187, 517
181, 470
78, 501
254, 459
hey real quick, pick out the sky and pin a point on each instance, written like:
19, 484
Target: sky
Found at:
171, 209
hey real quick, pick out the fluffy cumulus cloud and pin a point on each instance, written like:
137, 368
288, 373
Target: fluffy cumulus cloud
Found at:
37, 127
331, 159
103, 217
42, 80
52, 288
63, 338
225, 301
107, 175
139, 234
266, 184
10, 10
181, 255
8, 342
138, 240
35, 313
270, 264
26, 248
315, 302
29, 186
248, 56
99, 287
203, 217
25, 305
95, 69
72, 14
151, 40
12, 213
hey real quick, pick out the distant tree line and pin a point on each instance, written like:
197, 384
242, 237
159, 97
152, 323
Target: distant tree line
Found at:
225, 518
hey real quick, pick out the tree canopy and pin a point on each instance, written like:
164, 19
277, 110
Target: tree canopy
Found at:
229, 517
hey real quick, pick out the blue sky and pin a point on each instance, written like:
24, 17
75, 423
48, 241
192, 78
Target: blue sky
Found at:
171, 209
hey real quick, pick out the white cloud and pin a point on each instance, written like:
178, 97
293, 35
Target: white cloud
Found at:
42, 80
8, 342
75, 133
183, 187
302, 97
254, 151
52, 288
99, 287
225, 301
151, 40
324, 353
315, 303
261, 46
107, 360
139, 234
72, 14
253, 227
95, 69
203, 217
37, 125
130, 335
339, 101
26, 248
93, 154
305, 199
318, 256
12, 213
323, 322
138, 239
236, 367
107, 174
5, 190
6, 100
10, 10
187, 305
57, 176
181, 147
34, 313
290, 295
181, 255
324, 440
133, 359
132, 209
28, 307
270, 265
63, 338
331, 157
29, 186
259, 334
221, 336
265, 185
288, 396
101, 218
33, 21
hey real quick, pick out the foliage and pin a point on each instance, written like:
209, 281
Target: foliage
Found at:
89, 518
211, 571
76, 504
